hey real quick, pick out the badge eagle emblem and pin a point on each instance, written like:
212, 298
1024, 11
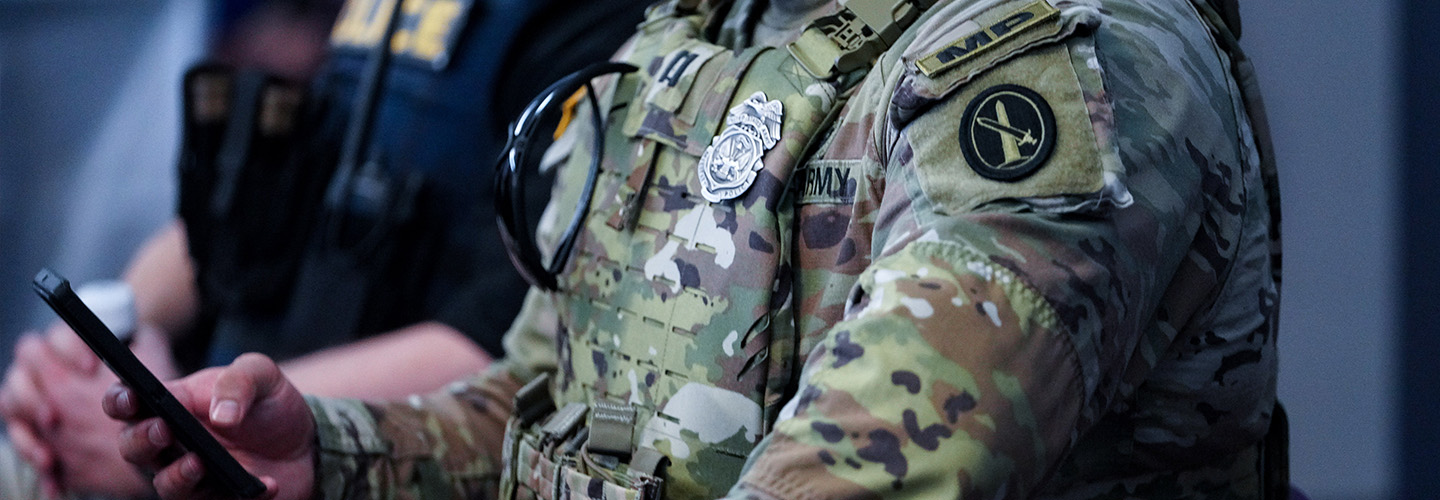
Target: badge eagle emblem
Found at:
729, 165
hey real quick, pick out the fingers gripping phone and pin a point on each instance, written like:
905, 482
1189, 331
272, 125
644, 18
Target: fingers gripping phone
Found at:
153, 395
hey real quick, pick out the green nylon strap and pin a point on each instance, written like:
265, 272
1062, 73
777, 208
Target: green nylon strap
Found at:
855, 35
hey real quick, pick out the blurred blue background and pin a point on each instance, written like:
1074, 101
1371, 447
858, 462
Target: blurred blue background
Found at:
88, 122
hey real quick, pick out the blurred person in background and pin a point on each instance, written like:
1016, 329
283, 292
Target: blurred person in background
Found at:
362, 252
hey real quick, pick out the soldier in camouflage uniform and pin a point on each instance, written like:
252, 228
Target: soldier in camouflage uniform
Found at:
975, 249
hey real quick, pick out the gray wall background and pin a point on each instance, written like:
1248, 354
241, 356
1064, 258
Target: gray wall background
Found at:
1329, 69
89, 100
87, 127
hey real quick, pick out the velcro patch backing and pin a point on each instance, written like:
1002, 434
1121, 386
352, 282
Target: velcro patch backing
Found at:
1019, 130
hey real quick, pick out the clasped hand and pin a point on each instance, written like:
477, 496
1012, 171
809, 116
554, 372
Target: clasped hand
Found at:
49, 403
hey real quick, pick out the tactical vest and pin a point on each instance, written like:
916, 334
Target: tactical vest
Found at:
678, 340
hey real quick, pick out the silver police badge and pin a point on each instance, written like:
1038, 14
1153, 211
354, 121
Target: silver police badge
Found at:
733, 158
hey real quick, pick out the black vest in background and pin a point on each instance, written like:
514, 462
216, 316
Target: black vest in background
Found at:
412, 237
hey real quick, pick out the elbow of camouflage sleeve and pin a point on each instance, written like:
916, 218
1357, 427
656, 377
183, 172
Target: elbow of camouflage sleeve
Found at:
950, 377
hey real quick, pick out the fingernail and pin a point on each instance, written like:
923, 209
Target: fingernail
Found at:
190, 468
225, 412
157, 435
122, 402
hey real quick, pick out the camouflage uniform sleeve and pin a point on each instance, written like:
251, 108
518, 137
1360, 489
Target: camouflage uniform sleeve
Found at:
952, 378
443, 445
1001, 318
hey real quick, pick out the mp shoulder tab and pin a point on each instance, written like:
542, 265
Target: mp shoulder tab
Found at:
970, 45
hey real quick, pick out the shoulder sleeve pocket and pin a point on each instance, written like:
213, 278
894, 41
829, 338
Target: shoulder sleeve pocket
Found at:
1008, 105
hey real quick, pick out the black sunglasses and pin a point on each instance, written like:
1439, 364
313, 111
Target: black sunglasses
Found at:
511, 169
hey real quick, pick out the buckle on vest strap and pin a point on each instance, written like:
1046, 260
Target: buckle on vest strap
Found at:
853, 37
612, 429
533, 401
563, 422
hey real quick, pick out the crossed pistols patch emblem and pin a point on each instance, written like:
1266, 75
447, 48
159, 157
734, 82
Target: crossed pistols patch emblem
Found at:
1007, 133
729, 165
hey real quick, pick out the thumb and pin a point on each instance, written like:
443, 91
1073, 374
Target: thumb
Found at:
251, 378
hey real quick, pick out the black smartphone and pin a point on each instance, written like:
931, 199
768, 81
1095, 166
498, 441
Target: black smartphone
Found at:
152, 393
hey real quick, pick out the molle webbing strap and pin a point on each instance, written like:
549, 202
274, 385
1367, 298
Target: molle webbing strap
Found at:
855, 36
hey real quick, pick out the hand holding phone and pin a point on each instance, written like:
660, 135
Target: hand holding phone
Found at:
152, 394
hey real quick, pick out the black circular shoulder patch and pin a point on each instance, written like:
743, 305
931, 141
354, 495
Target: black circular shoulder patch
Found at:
1007, 133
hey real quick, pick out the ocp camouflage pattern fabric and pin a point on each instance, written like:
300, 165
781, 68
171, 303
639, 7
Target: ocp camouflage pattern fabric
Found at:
885, 318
